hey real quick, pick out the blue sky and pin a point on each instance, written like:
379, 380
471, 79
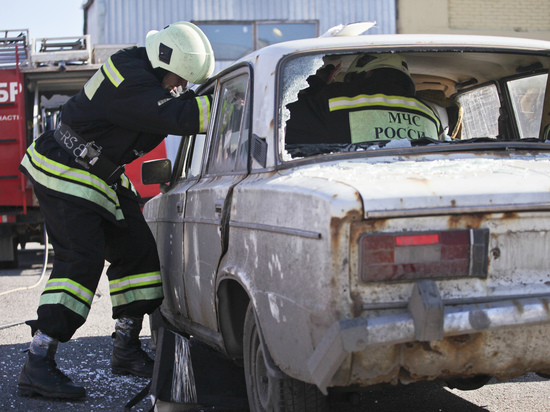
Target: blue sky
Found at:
43, 18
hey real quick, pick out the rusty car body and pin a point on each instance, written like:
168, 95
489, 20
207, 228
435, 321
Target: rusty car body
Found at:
339, 266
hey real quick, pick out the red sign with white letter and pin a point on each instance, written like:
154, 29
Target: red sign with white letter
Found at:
12, 139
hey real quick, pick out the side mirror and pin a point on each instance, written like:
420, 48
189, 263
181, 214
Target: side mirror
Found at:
156, 171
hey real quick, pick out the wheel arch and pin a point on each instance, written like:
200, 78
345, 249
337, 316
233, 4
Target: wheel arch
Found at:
233, 300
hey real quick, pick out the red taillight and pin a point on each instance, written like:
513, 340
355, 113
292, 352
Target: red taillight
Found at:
427, 255
430, 239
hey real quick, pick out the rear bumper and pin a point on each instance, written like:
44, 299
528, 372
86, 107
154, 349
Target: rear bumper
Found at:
428, 319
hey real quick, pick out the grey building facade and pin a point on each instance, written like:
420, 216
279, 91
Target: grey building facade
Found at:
234, 27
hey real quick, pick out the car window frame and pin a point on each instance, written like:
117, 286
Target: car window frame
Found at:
181, 160
283, 162
185, 148
246, 116
505, 81
502, 100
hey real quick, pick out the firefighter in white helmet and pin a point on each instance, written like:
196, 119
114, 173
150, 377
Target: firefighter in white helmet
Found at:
91, 209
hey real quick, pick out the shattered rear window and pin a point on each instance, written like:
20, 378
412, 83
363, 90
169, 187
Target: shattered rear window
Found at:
349, 102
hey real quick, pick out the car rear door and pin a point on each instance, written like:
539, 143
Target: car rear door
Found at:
209, 199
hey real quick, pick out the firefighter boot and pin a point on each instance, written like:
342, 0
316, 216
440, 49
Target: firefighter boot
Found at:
40, 375
128, 357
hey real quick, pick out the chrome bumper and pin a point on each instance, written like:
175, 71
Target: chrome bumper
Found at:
428, 319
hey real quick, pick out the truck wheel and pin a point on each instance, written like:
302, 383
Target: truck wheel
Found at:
14, 263
272, 393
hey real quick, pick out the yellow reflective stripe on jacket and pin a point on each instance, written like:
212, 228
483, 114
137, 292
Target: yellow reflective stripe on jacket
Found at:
90, 88
75, 182
381, 100
127, 183
70, 286
204, 112
112, 73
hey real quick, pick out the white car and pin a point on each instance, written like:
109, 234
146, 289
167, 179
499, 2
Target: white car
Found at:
330, 262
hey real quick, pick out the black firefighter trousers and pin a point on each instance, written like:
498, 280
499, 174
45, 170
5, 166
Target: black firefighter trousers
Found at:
82, 240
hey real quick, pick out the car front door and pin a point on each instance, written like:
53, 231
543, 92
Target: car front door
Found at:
169, 223
209, 199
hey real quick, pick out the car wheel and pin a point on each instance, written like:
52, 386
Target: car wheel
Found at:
270, 393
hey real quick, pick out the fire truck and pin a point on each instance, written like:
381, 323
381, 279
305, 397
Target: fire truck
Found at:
36, 78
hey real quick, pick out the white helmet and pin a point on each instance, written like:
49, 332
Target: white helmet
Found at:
183, 49
382, 61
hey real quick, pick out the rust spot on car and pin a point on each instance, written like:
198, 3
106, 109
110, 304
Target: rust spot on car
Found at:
461, 339
336, 223
357, 304
427, 347
510, 215
365, 227
450, 354
471, 221
376, 225
453, 203
545, 304
519, 306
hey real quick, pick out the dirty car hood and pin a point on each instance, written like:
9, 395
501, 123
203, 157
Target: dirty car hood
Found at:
442, 185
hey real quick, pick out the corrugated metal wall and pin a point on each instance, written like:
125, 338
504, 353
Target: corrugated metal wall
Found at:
127, 21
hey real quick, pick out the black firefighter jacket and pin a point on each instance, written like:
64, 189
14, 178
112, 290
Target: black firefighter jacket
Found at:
126, 112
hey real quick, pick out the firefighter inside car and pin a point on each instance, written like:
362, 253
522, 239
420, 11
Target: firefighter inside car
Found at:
91, 209
359, 98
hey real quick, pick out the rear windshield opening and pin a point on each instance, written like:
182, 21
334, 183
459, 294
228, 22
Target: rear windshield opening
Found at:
335, 103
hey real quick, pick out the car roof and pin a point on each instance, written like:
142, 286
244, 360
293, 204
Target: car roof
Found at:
506, 55
407, 42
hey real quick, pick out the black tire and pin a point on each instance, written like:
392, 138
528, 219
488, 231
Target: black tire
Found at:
468, 384
11, 264
15, 262
274, 393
